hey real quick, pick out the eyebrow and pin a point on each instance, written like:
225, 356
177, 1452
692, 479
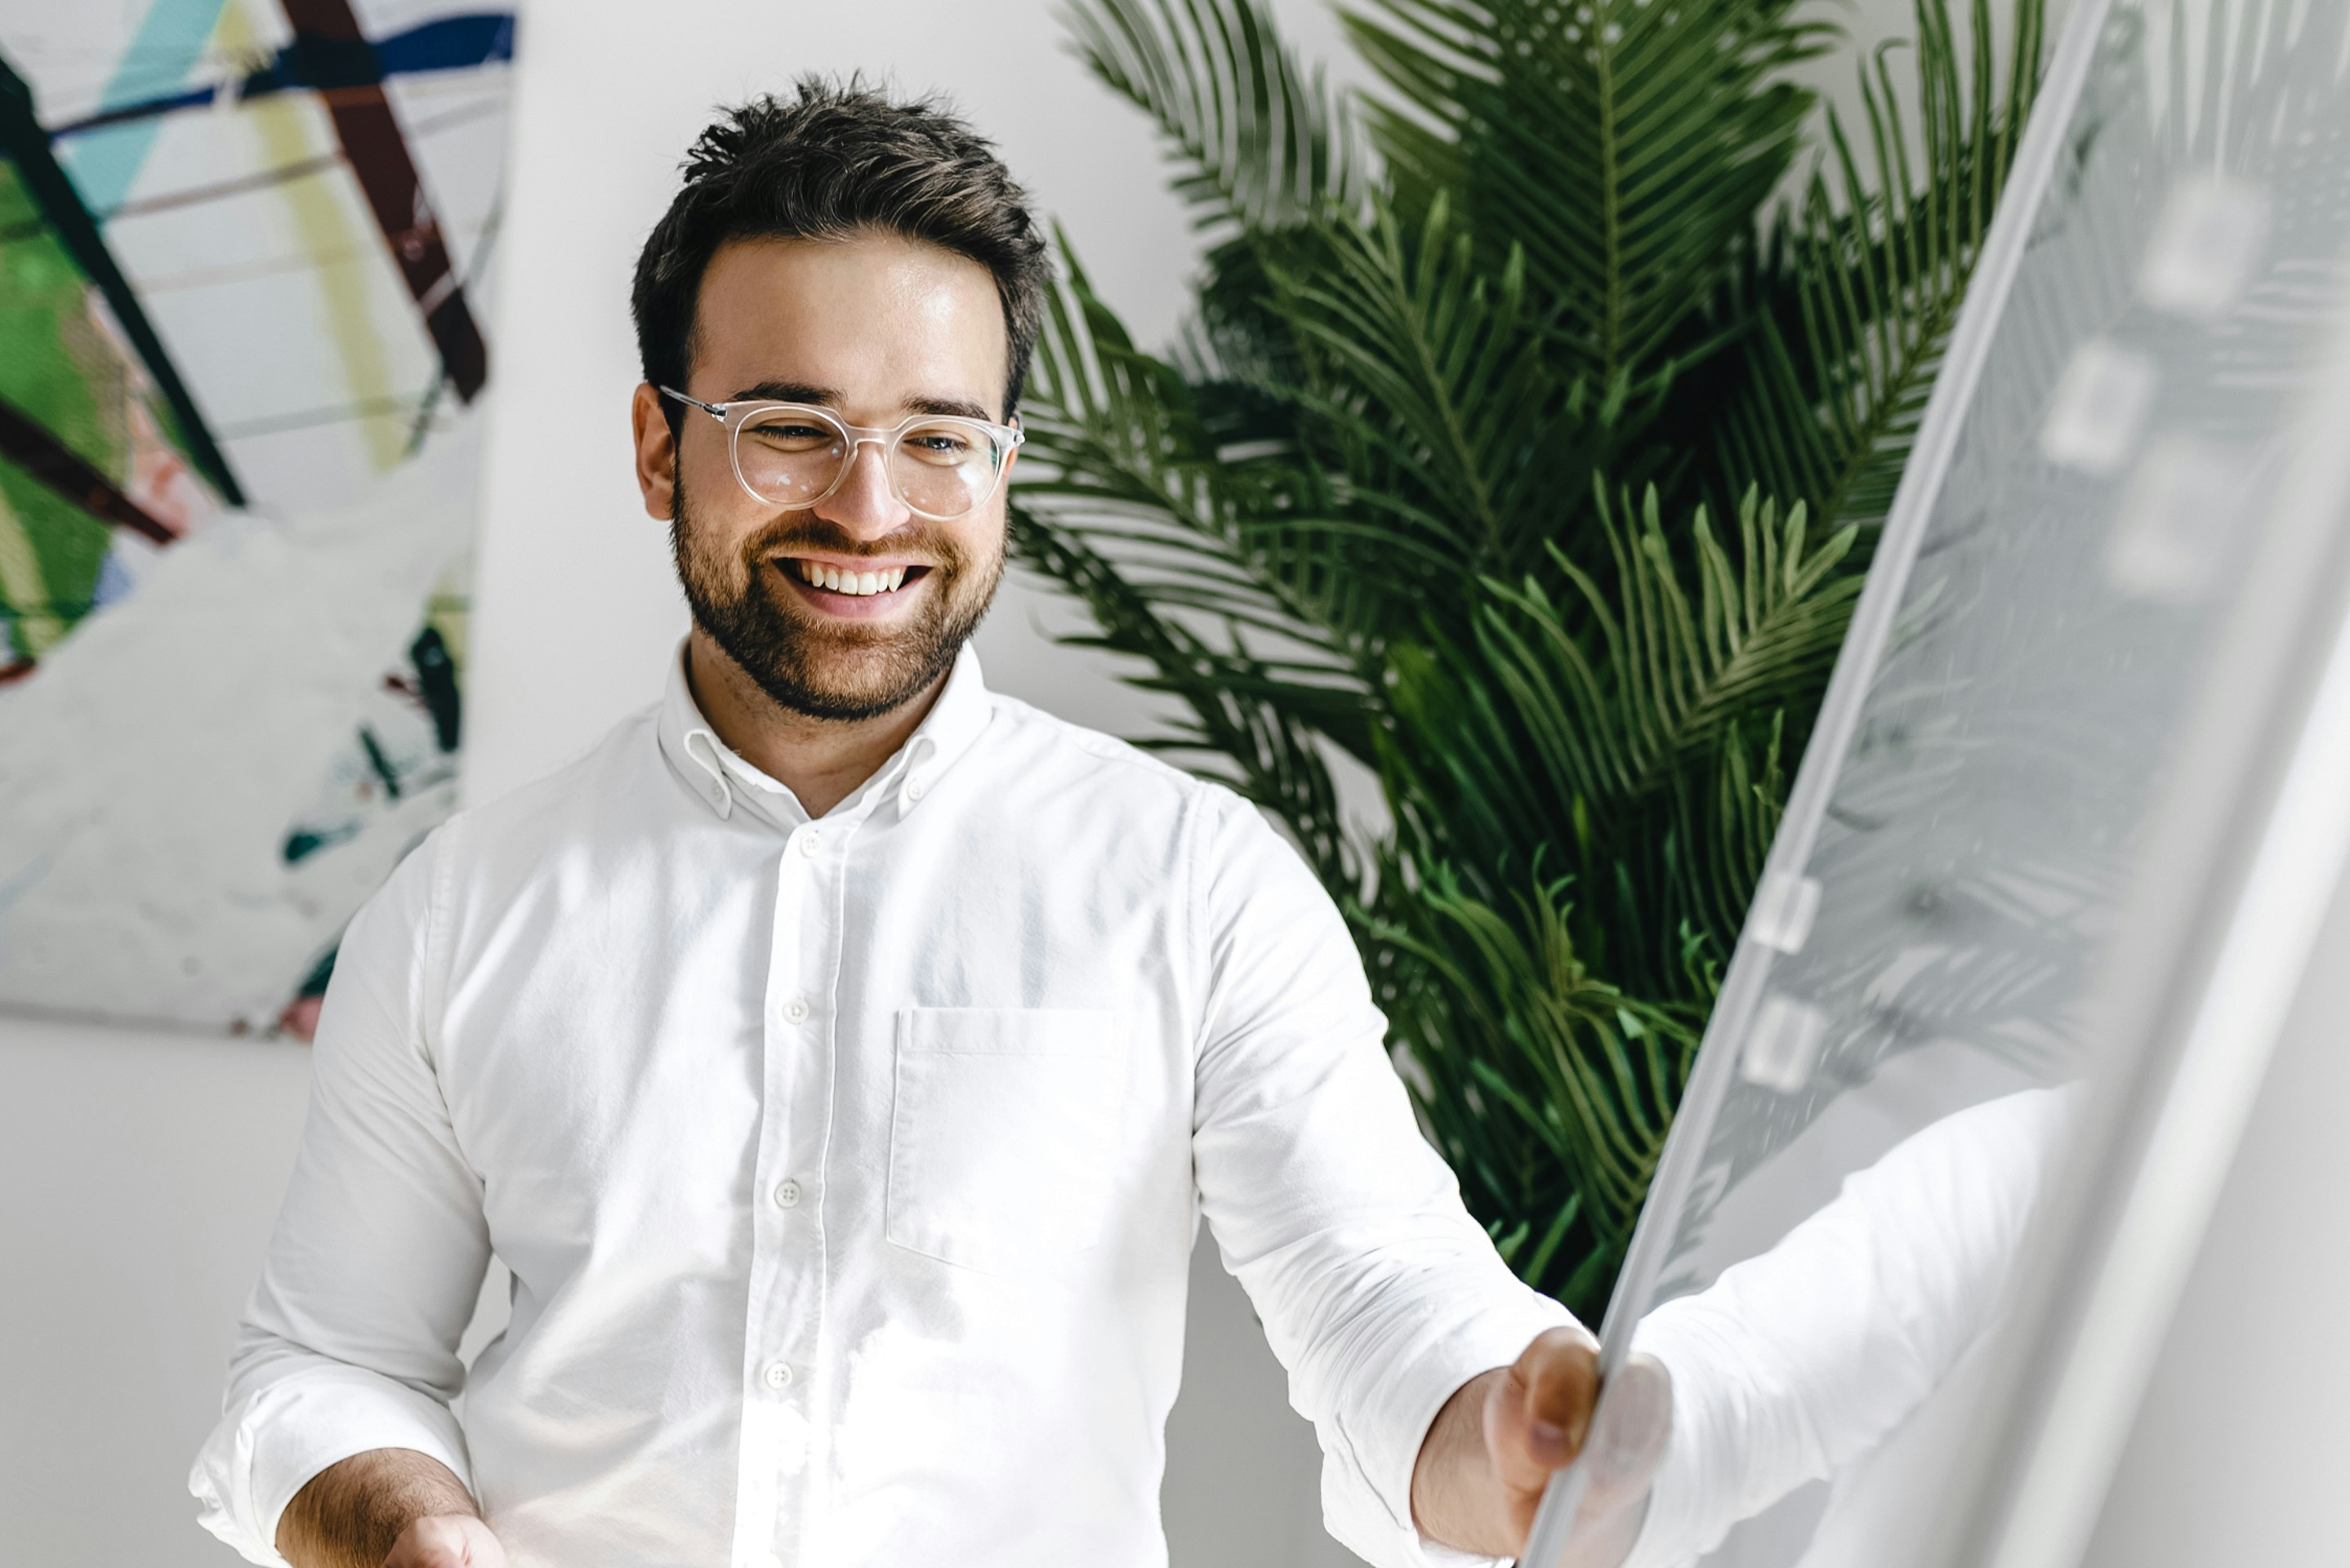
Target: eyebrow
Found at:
830, 398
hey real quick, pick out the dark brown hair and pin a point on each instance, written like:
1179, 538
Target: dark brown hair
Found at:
836, 158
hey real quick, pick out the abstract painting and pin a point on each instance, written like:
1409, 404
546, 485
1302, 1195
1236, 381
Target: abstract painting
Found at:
245, 278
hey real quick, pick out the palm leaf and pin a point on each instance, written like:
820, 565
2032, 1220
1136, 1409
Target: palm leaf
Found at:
1260, 143
1875, 273
1624, 146
1261, 147
1569, 1121
1558, 718
1430, 392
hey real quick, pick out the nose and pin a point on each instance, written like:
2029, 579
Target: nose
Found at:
865, 505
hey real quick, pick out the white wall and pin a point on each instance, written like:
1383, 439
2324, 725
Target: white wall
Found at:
139, 1174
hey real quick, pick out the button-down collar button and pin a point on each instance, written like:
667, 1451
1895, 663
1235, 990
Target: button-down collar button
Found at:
808, 843
915, 789
797, 1010
787, 1195
777, 1376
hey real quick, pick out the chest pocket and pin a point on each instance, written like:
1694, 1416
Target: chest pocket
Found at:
1001, 1134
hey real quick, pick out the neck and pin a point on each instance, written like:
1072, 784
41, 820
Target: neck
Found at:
820, 760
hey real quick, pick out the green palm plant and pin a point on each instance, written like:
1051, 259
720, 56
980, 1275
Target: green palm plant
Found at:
1523, 448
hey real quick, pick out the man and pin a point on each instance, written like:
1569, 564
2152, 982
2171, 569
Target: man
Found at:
842, 1057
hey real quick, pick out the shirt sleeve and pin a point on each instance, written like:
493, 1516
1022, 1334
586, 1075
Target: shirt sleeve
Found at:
1378, 1292
1798, 1363
349, 1340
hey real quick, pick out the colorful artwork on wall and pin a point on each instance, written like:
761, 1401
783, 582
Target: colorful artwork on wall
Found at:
243, 282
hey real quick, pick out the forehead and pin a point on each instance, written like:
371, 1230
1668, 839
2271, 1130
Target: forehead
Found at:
880, 317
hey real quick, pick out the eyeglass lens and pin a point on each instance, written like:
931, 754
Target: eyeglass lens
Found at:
792, 457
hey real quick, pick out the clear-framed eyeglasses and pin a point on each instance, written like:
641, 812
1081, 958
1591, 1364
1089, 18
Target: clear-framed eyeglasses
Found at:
942, 466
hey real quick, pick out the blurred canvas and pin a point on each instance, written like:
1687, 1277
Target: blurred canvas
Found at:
243, 248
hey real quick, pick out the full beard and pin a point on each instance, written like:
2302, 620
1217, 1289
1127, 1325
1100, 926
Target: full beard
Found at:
848, 671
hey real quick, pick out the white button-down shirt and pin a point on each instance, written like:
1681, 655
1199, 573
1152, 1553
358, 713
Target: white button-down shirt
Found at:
847, 1170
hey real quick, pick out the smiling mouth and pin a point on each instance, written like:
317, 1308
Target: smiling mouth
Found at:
852, 583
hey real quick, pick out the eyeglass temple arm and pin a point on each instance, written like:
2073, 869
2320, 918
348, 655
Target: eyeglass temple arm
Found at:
715, 411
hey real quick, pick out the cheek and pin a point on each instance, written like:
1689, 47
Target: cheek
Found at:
716, 536
980, 540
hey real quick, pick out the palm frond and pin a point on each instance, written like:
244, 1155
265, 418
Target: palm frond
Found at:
1431, 390
1567, 1118
1261, 146
1876, 269
1122, 448
1624, 146
1560, 716
1260, 143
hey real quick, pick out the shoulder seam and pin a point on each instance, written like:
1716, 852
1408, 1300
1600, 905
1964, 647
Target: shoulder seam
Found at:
1104, 747
431, 985
1195, 856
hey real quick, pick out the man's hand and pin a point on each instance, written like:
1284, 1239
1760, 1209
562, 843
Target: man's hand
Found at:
1495, 1445
387, 1508
446, 1540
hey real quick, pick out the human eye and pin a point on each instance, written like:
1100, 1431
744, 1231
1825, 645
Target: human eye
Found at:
943, 444
793, 433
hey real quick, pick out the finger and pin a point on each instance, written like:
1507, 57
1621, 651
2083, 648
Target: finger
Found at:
445, 1541
481, 1547
1562, 1377
1541, 1411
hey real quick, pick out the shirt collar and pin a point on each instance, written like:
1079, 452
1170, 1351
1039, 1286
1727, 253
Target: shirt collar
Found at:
724, 781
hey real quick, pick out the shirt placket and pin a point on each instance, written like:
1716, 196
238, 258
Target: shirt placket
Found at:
779, 1487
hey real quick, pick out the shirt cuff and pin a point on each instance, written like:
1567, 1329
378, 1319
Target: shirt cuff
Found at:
270, 1444
1686, 1515
1369, 1459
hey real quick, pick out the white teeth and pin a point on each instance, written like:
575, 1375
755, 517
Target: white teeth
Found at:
857, 583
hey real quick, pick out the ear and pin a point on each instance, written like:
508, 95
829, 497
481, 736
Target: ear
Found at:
656, 453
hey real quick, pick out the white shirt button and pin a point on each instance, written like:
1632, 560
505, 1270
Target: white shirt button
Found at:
915, 789
777, 1376
797, 1010
787, 1195
808, 844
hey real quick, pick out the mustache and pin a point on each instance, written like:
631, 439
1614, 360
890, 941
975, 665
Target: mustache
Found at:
804, 536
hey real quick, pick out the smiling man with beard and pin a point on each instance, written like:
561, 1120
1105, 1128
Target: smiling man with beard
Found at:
842, 1057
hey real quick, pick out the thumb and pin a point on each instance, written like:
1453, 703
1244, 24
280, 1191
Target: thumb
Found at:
1537, 1417
446, 1540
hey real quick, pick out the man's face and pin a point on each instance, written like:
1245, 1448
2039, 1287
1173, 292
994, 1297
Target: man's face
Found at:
873, 328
